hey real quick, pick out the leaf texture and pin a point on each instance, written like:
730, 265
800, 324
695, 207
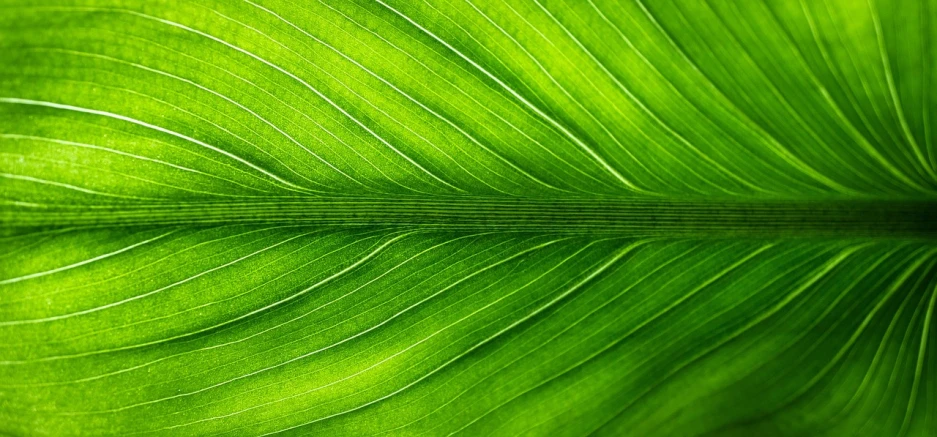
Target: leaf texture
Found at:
432, 217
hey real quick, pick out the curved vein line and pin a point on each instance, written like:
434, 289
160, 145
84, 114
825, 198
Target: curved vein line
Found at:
639, 326
640, 103
82, 263
750, 124
287, 105
59, 290
289, 185
94, 168
40, 181
122, 153
377, 364
592, 153
369, 103
817, 342
838, 73
862, 326
460, 90
818, 274
893, 92
345, 340
241, 340
229, 100
412, 99
577, 102
299, 80
899, 355
149, 293
840, 116
298, 318
542, 343
919, 367
615, 258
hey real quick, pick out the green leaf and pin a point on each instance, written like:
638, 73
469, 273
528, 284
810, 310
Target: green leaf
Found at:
541, 217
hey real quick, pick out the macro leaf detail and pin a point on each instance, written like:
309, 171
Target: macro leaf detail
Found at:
538, 217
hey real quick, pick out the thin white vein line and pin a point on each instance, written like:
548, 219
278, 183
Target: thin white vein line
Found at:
592, 153
669, 176
755, 128
175, 107
593, 311
567, 328
227, 99
893, 92
501, 278
773, 88
303, 316
841, 42
41, 181
640, 104
902, 344
818, 274
919, 366
369, 103
412, 99
577, 102
532, 314
847, 90
540, 121
156, 142
646, 322
345, 340
763, 285
81, 263
119, 152
634, 99
498, 281
713, 86
781, 98
458, 89
289, 185
60, 290
566, 92
135, 346
241, 340
202, 118
199, 117
862, 326
840, 116
922, 304
879, 355
830, 308
216, 302
326, 280
494, 58
97, 168
274, 97
377, 364
149, 293
839, 74
294, 77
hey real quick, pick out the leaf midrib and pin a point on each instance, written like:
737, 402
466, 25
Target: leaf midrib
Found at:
846, 218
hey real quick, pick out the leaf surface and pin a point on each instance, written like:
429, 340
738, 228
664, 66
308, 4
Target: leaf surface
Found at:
487, 218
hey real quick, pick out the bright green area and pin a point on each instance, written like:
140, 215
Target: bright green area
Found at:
634, 217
